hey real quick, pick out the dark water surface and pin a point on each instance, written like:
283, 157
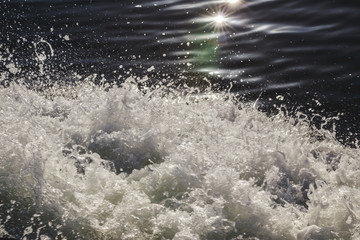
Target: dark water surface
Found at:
84, 163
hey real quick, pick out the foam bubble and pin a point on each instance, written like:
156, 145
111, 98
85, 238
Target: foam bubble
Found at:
125, 163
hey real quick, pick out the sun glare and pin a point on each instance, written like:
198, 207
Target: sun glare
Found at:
219, 19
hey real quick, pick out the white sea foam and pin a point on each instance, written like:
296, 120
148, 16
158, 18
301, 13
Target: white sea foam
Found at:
127, 164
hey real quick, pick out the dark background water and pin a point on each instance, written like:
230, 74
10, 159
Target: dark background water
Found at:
306, 51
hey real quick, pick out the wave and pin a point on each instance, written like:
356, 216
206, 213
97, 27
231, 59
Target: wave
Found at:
101, 162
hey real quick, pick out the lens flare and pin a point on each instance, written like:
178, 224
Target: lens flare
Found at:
219, 19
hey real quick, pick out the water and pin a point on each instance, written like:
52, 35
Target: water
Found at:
304, 50
179, 120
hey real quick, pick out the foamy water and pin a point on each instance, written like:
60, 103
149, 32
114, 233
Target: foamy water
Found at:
91, 162
174, 153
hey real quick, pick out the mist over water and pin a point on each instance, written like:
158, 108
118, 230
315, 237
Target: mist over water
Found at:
179, 120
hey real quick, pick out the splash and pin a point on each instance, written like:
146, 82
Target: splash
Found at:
132, 162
